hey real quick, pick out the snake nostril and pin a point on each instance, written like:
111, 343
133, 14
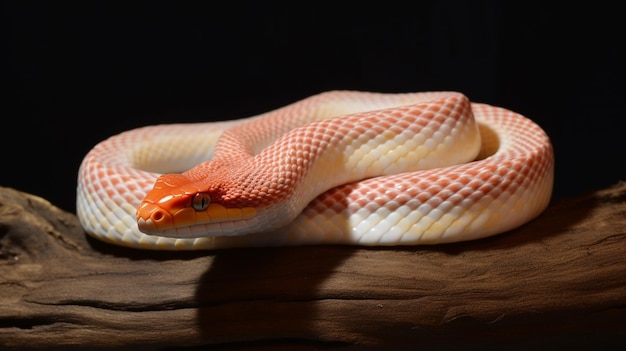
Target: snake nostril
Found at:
157, 216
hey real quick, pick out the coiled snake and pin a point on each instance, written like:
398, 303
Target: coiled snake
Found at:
340, 167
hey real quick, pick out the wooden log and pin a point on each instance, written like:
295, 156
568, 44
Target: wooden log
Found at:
559, 280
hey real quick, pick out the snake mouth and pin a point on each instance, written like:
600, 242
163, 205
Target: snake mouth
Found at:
187, 222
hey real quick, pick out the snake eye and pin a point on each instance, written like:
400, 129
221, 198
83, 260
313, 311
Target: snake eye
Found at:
200, 201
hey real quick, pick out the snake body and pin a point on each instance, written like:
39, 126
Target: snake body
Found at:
340, 167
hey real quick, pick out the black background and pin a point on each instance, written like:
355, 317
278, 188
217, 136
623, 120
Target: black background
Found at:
77, 73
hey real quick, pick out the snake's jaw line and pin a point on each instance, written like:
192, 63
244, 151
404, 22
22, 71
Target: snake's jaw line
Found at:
185, 222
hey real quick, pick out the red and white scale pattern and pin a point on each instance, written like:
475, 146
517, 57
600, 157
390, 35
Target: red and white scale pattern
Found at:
428, 177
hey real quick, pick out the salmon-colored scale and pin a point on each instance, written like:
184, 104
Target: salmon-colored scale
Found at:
393, 169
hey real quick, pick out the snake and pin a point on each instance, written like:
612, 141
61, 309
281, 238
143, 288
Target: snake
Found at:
340, 167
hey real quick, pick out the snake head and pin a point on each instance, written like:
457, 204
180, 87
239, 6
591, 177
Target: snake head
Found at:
178, 207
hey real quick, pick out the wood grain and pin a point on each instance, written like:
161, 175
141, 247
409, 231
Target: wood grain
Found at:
558, 281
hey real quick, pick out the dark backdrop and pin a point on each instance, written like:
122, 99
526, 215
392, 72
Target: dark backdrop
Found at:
77, 73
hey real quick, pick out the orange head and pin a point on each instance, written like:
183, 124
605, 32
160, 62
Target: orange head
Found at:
178, 206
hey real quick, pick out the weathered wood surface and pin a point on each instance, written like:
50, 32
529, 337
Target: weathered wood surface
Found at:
560, 279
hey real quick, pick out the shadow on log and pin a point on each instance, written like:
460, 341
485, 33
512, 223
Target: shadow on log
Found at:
557, 281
